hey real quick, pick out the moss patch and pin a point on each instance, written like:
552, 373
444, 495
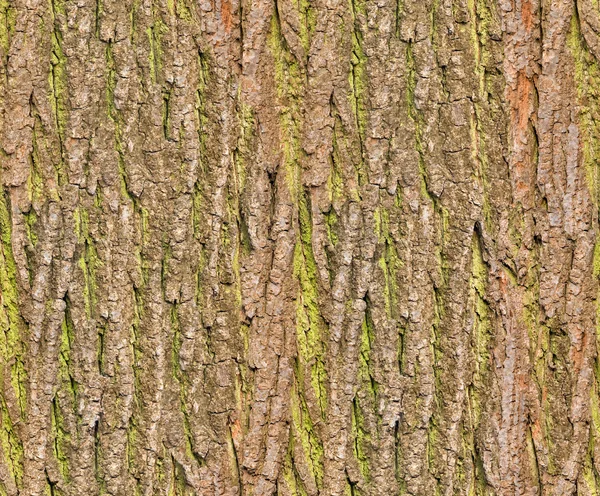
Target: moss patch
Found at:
311, 329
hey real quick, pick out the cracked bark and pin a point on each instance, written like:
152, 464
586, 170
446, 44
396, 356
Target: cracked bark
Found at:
299, 248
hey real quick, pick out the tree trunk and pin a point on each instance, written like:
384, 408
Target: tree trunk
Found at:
299, 248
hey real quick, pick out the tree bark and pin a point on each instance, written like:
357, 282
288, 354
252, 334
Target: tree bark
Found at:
299, 248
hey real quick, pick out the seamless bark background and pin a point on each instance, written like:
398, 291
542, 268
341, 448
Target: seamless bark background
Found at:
312, 247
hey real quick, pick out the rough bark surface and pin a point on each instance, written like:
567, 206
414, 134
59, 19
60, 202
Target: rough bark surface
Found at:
299, 248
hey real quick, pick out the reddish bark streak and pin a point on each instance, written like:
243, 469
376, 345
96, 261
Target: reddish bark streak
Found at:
226, 15
523, 107
527, 14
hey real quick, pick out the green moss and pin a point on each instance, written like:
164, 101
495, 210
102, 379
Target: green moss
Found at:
58, 7
88, 262
35, 181
30, 222
539, 329
535, 472
481, 336
115, 117
417, 118
155, 33
596, 264
57, 79
367, 338
361, 439
480, 20
308, 23
13, 324
98, 468
411, 84
595, 409
531, 315
432, 441
11, 446
8, 18
241, 246
335, 184
472, 7
292, 479
331, 222
398, 17
288, 81
132, 435
132, 431
357, 81
176, 344
89, 288
482, 330
160, 467
164, 266
144, 224
587, 84
64, 357
236, 473
304, 428
201, 106
197, 211
183, 11
547, 426
98, 16
60, 440
310, 326
595, 412
190, 451
357, 76
244, 144
181, 380
590, 474
390, 284
132, 23
389, 261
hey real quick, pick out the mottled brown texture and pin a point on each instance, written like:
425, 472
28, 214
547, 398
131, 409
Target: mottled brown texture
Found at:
299, 248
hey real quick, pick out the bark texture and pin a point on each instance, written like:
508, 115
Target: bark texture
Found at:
299, 247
